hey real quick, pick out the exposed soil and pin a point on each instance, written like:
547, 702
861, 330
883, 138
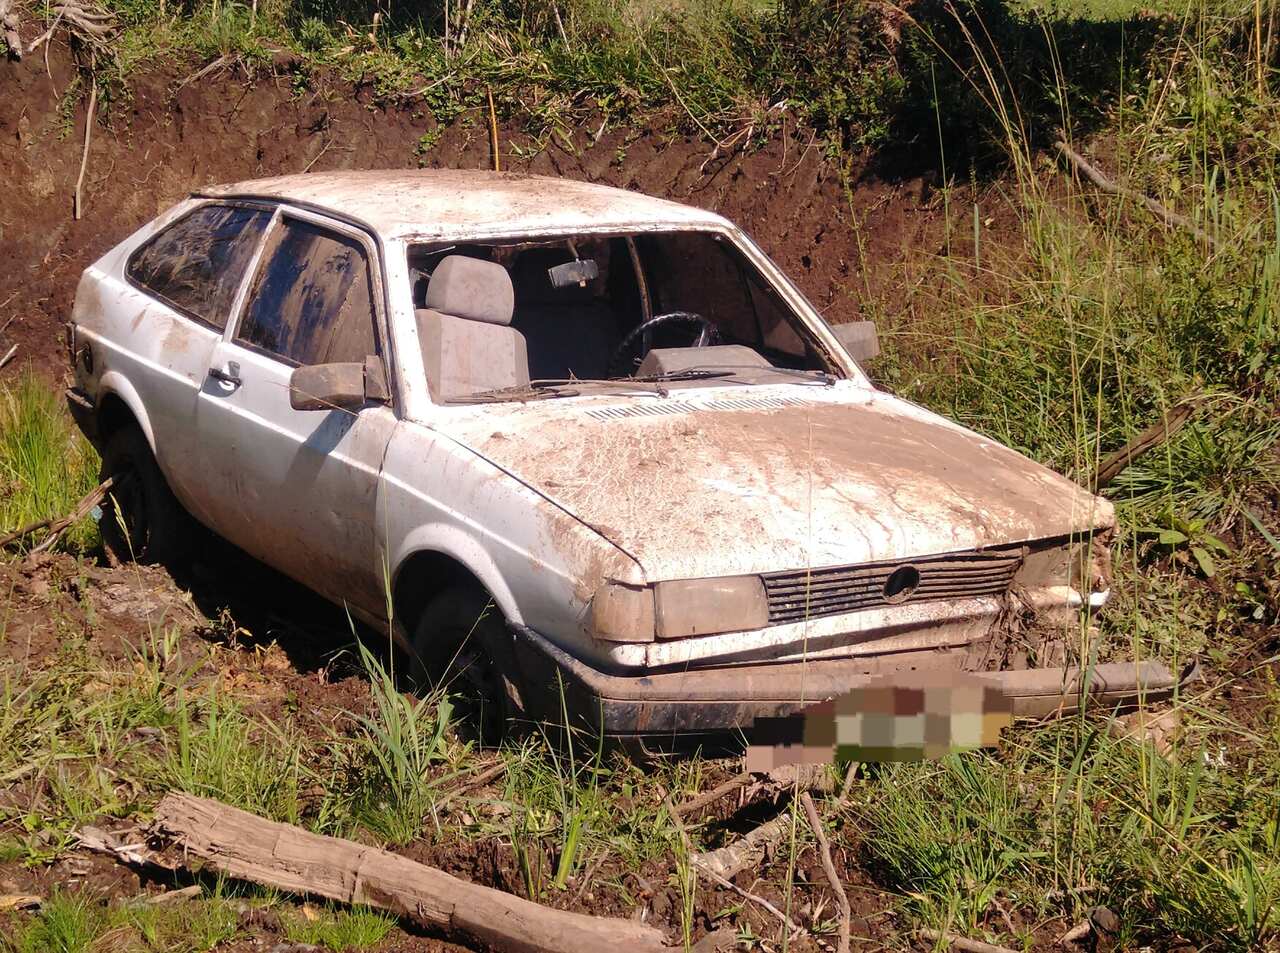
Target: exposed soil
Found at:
156, 141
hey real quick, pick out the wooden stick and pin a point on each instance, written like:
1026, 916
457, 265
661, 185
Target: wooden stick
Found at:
87, 502
759, 901
1110, 466
248, 847
493, 132
732, 858
964, 944
715, 794
8, 356
78, 206
828, 865
1094, 175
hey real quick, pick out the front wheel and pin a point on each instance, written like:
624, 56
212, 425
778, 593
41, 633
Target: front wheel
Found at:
142, 521
454, 644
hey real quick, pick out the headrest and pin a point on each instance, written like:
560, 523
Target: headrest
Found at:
472, 289
533, 284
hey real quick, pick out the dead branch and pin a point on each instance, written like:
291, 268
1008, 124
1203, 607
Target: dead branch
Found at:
131, 854
9, 26
749, 849
8, 355
715, 794
78, 206
87, 502
1095, 175
964, 944
828, 865
764, 904
1110, 466
56, 526
90, 25
248, 847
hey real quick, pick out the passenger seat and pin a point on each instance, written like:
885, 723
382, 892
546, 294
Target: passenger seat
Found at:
468, 345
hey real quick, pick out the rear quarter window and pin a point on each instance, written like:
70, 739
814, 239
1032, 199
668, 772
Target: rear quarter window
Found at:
196, 264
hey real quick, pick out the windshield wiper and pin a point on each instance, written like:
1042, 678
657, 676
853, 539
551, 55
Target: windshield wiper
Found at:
554, 387
740, 371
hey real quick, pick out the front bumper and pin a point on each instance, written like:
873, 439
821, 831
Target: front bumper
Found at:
713, 700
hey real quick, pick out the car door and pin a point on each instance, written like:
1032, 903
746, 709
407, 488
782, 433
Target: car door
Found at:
167, 315
298, 488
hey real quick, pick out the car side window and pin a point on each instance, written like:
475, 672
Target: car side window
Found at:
312, 300
196, 264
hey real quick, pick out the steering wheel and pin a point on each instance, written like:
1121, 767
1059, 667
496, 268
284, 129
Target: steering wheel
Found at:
708, 334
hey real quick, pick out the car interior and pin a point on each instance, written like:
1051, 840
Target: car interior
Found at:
502, 317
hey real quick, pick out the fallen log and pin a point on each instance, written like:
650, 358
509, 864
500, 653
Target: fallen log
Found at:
249, 847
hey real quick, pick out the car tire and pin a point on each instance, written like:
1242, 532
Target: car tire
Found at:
455, 642
142, 521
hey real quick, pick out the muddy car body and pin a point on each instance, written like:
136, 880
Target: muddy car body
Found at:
438, 383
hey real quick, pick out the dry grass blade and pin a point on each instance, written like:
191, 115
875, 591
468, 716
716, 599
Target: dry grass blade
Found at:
829, 867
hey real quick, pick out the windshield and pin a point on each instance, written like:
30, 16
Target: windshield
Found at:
517, 318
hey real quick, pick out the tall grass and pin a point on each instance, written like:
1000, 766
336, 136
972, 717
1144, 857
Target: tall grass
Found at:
46, 465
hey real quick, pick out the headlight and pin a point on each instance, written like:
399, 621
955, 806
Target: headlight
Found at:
679, 608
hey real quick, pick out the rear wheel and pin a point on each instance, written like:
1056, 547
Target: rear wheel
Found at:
454, 644
142, 521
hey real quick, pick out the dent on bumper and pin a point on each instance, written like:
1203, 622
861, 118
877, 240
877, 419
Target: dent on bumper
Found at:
732, 697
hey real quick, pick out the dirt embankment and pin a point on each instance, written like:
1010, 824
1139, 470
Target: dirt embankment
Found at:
166, 135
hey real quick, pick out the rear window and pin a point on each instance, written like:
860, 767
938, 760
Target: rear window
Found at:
312, 300
197, 263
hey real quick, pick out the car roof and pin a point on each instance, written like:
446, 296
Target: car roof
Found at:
470, 204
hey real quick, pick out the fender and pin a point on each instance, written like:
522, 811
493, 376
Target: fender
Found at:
456, 544
113, 382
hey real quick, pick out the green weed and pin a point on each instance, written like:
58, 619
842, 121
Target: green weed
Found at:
358, 928
46, 465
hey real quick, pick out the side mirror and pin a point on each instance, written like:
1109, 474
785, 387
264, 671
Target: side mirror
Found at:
859, 339
339, 386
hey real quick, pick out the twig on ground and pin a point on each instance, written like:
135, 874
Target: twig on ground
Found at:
78, 206
135, 854
752, 846
8, 355
173, 896
828, 865
1077, 933
962, 943
206, 70
709, 797
758, 900
481, 778
1096, 176
56, 527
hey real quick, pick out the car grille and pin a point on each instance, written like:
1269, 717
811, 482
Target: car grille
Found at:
814, 593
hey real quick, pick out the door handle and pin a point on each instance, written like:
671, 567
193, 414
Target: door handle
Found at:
230, 376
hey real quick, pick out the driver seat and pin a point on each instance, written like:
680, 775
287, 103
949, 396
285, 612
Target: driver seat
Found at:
468, 344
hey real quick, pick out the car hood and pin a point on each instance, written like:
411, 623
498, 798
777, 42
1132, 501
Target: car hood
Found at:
723, 481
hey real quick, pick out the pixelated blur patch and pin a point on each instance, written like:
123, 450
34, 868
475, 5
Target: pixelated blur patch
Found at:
910, 716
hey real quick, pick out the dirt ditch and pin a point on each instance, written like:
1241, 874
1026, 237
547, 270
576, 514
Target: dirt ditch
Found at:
165, 135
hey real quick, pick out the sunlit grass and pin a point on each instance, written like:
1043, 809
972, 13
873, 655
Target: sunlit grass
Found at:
46, 465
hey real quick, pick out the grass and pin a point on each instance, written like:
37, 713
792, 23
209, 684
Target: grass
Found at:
46, 465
